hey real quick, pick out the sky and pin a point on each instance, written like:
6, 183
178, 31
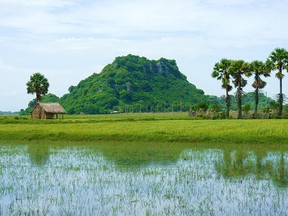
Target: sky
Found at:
69, 40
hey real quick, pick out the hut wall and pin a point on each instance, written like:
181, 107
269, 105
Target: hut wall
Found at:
37, 114
43, 114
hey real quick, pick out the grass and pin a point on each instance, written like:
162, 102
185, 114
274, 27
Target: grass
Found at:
164, 127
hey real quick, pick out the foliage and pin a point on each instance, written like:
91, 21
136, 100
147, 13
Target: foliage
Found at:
258, 68
134, 84
238, 69
49, 98
248, 99
202, 106
278, 60
221, 72
226, 69
37, 84
216, 107
246, 108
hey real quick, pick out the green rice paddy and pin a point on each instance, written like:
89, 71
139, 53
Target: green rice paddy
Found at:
142, 179
145, 127
143, 164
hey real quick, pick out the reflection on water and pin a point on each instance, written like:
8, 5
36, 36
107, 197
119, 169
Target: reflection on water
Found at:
138, 155
142, 179
39, 154
267, 165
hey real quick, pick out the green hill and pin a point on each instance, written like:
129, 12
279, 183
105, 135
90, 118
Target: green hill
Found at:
134, 84
249, 98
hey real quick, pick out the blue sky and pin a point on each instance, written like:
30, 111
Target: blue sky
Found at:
68, 40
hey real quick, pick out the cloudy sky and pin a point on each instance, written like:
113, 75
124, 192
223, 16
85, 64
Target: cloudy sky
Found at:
68, 40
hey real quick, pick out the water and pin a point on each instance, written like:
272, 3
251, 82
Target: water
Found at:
125, 179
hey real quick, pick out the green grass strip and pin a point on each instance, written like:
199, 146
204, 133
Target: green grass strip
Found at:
147, 130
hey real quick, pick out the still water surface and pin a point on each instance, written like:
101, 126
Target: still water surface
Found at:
144, 179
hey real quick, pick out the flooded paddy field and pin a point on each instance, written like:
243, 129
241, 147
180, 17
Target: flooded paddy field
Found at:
143, 179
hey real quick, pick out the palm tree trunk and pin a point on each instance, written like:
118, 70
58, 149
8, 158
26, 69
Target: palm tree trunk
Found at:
38, 97
239, 98
227, 103
239, 95
280, 98
256, 102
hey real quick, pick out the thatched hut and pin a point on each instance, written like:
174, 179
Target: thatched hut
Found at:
47, 111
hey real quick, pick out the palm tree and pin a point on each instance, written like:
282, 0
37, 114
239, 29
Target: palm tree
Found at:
278, 60
221, 72
258, 68
237, 69
37, 84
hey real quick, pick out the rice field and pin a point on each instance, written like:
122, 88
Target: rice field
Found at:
143, 164
122, 178
173, 127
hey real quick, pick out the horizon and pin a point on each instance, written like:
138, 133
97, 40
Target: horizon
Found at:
67, 40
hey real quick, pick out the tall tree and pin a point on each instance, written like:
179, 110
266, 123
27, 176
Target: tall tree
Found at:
221, 72
37, 84
238, 69
258, 68
278, 60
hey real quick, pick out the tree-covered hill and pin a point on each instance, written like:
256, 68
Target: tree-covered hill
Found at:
134, 84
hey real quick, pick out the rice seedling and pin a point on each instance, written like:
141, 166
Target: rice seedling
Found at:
173, 179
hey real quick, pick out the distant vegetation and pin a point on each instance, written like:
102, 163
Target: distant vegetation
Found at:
132, 84
8, 113
235, 71
136, 84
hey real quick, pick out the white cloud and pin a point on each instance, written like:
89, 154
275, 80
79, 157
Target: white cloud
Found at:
69, 40
38, 3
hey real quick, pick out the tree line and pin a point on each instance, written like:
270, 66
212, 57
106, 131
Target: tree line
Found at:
229, 72
233, 72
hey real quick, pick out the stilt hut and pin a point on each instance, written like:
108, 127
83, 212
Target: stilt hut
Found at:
47, 111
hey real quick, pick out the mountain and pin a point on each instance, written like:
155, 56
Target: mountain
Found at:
134, 84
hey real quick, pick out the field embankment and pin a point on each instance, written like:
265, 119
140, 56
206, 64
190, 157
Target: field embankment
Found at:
144, 128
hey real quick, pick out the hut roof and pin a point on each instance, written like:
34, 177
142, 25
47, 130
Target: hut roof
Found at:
54, 108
